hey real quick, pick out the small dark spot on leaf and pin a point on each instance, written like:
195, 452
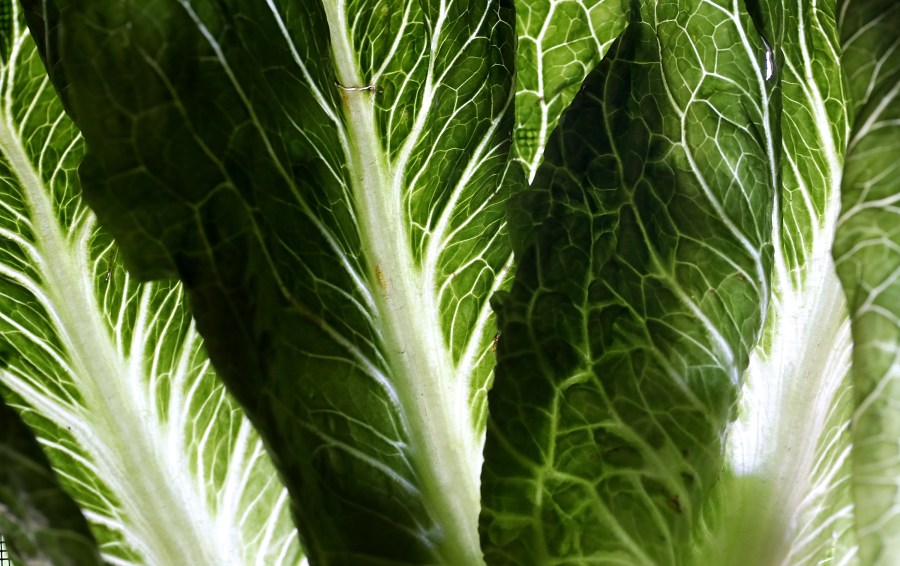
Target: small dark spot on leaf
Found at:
674, 504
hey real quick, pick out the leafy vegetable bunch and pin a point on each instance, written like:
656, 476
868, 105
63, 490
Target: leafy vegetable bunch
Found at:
487, 281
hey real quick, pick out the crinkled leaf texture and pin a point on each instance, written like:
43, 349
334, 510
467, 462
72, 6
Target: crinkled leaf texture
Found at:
560, 42
326, 179
673, 381
639, 295
109, 374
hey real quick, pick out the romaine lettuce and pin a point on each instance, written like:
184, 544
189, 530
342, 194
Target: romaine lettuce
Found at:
495, 281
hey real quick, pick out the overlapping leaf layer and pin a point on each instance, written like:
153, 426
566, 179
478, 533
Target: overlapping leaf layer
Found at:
560, 42
326, 179
695, 347
640, 292
43, 523
110, 374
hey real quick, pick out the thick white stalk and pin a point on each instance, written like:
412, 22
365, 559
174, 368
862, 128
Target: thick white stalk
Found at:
421, 368
795, 395
167, 521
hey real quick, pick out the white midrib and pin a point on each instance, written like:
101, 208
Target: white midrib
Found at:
165, 518
422, 370
791, 392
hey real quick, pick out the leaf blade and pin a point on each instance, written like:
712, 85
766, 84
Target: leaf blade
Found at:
111, 374
619, 355
339, 254
559, 44
866, 260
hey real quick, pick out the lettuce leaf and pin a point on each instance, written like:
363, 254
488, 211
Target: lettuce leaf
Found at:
109, 374
681, 211
868, 260
326, 179
640, 292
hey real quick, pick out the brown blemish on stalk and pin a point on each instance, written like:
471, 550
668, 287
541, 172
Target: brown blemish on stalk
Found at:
379, 275
345, 98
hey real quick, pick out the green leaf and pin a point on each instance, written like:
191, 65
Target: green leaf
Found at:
868, 260
638, 298
326, 178
110, 374
39, 521
783, 495
330, 180
560, 42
